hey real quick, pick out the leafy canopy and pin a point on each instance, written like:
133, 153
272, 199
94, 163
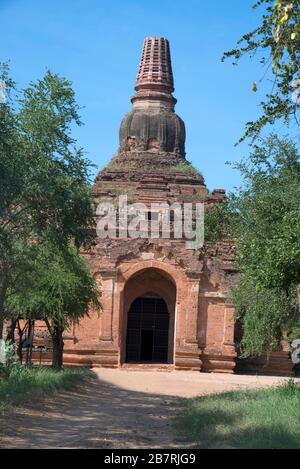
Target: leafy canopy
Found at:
266, 228
263, 219
45, 195
276, 44
57, 286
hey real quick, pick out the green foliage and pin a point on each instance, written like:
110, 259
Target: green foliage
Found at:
10, 354
25, 384
275, 42
216, 222
265, 314
56, 192
57, 286
265, 224
264, 418
268, 226
130, 192
116, 165
44, 179
43, 176
294, 332
185, 168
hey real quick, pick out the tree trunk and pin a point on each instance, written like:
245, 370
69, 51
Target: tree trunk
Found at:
3, 290
11, 327
30, 333
2, 296
20, 341
58, 347
31, 341
20, 347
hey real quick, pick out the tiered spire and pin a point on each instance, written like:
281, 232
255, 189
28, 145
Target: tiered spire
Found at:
152, 126
155, 68
154, 80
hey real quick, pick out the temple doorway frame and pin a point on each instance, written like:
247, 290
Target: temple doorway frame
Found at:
160, 283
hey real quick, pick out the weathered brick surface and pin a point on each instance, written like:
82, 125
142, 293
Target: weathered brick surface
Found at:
193, 284
151, 167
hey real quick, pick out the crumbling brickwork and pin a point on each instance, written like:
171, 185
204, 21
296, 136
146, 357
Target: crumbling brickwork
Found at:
151, 167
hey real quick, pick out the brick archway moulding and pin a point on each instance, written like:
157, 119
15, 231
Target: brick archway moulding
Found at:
144, 281
187, 291
175, 273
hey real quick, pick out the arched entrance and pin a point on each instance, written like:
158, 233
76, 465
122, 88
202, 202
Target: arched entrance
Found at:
147, 337
149, 317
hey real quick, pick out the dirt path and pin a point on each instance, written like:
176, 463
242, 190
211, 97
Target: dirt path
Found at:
119, 409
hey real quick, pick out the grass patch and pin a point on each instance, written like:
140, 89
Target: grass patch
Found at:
185, 168
115, 164
264, 418
30, 383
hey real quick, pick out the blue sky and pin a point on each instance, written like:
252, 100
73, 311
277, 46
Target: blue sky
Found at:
97, 45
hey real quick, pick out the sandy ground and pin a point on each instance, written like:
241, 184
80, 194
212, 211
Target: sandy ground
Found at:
119, 409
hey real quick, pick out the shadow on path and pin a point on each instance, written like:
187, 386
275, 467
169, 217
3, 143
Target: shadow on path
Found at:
95, 415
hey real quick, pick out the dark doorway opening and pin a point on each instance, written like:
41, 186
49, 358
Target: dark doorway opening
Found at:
146, 345
147, 331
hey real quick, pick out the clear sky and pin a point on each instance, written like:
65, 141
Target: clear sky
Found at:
97, 45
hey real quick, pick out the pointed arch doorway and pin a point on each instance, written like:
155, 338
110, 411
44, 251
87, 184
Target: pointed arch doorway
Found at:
149, 318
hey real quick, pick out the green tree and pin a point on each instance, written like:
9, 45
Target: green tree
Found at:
44, 177
276, 44
266, 315
216, 222
57, 288
266, 227
12, 169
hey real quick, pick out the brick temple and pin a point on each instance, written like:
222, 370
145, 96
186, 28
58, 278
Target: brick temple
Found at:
164, 305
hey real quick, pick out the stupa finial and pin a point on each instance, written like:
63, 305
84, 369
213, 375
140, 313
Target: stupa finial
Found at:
154, 81
155, 68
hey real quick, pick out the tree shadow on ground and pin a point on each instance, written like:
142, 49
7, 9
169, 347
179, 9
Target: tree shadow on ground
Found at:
217, 428
96, 414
